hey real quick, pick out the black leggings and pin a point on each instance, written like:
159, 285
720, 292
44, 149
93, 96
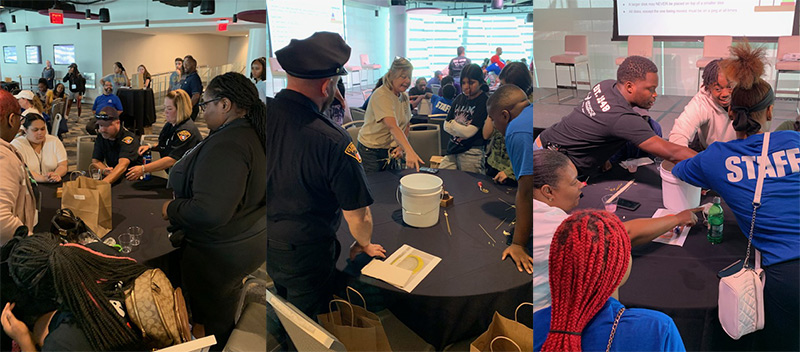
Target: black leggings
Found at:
781, 308
212, 278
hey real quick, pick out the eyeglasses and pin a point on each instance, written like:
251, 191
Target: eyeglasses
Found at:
203, 104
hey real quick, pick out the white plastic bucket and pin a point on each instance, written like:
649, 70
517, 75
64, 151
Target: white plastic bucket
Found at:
677, 195
420, 199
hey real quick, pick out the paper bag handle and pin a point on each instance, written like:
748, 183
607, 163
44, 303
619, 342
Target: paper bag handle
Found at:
491, 344
520, 306
349, 288
352, 313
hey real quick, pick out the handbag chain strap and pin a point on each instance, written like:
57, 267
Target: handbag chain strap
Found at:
614, 329
762, 170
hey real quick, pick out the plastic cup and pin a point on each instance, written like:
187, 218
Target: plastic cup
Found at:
610, 206
136, 233
125, 241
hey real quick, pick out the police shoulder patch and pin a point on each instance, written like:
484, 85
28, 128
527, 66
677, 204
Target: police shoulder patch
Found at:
353, 152
127, 140
184, 135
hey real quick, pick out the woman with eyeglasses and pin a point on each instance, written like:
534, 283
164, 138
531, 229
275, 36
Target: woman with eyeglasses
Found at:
178, 135
220, 204
44, 154
384, 137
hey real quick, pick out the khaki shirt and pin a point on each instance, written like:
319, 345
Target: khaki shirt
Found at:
383, 103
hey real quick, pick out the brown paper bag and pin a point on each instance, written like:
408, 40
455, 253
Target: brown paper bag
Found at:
370, 319
89, 200
355, 334
520, 336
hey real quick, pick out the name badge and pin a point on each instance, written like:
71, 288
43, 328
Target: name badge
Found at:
74, 86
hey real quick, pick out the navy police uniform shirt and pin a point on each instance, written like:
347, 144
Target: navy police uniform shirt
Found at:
174, 141
731, 169
313, 172
124, 145
192, 84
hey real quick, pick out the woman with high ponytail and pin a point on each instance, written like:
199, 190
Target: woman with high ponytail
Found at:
731, 170
220, 204
589, 260
85, 286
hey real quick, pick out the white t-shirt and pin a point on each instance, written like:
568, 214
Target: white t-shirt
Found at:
547, 220
53, 152
261, 87
31, 110
383, 103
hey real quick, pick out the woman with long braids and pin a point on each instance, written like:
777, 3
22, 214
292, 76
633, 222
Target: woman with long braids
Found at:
731, 170
590, 259
87, 289
220, 204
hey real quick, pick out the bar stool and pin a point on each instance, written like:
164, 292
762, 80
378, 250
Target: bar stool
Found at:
714, 47
575, 53
352, 70
638, 45
786, 46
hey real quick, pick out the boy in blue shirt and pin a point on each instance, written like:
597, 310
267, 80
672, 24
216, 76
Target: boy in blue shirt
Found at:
440, 105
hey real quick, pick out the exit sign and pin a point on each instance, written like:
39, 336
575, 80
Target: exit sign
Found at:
221, 27
56, 17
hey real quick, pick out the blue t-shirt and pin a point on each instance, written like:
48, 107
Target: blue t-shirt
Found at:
638, 330
730, 169
192, 84
106, 100
519, 142
440, 105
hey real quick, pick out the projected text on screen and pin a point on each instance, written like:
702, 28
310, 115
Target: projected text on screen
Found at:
752, 18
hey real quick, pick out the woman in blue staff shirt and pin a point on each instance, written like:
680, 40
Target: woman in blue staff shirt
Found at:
730, 169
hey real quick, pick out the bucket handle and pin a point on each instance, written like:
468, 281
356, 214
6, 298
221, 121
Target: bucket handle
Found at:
397, 197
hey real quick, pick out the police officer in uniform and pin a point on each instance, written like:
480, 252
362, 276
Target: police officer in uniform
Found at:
115, 149
314, 176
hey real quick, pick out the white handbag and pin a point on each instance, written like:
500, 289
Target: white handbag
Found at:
741, 295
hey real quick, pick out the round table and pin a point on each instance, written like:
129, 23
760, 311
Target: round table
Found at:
678, 281
459, 297
132, 203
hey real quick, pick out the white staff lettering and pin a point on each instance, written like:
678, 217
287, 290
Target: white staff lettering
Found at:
774, 165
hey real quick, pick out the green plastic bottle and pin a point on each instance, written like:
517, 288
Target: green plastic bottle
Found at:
715, 219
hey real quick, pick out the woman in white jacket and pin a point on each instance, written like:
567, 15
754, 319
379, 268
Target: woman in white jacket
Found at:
705, 118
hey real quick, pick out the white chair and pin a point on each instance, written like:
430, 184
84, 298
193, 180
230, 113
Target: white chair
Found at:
357, 114
305, 333
353, 127
638, 45
277, 72
787, 45
56, 124
85, 149
575, 53
424, 138
714, 47
366, 65
199, 345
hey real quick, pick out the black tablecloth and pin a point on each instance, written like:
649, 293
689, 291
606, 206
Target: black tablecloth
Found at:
9, 86
679, 281
458, 298
139, 109
132, 203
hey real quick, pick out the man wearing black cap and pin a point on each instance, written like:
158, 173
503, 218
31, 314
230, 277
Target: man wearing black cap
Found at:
314, 175
115, 148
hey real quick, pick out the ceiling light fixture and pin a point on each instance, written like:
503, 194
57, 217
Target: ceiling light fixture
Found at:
105, 15
235, 18
88, 14
78, 25
191, 7
13, 19
207, 7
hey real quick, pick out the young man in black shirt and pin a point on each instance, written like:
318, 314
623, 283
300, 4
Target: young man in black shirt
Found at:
605, 121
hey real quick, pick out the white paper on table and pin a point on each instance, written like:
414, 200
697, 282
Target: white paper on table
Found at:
404, 269
670, 237
635, 162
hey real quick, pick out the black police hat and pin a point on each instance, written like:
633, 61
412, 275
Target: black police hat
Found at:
321, 55
108, 113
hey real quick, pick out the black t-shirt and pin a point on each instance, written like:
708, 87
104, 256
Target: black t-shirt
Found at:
192, 84
467, 112
313, 172
174, 141
598, 128
65, 334
124, 145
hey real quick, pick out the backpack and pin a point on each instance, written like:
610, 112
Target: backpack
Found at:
157, 310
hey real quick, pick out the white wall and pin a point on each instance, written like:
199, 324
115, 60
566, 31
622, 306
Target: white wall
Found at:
675, 60
88, 50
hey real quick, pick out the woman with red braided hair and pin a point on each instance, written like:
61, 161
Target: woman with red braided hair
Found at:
731, 170
590, 259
